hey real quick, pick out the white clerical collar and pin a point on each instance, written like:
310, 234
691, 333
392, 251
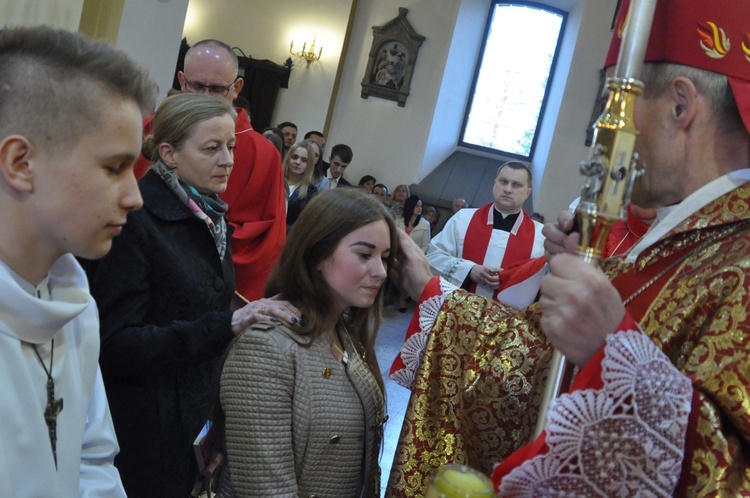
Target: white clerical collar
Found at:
506, 215
667, 218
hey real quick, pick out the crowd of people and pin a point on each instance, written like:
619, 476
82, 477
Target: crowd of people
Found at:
303, 182
208, 275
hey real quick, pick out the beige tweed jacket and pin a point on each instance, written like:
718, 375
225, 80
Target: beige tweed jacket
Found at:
298, 422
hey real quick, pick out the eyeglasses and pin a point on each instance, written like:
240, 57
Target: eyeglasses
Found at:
217, 90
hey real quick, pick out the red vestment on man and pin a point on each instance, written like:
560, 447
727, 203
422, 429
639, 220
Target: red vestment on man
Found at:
481, 367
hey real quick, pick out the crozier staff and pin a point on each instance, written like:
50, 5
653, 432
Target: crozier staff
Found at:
663, 348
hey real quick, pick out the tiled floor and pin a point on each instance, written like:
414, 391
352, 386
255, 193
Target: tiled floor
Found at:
389, 342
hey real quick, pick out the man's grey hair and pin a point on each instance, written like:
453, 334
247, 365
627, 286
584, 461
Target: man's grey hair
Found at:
657, 77
215, 44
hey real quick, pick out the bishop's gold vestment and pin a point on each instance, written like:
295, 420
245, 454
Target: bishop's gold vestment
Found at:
476, 393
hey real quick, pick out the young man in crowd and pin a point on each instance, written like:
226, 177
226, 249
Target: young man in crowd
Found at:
380, 192
70, 132
341, 156
289, 130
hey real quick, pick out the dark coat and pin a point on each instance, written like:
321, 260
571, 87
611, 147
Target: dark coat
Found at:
343, 183
163, 297
295, 204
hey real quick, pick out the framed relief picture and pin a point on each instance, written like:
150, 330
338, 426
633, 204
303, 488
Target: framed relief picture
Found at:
390, 65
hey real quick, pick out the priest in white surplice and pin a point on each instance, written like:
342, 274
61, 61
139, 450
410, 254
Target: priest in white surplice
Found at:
476, 245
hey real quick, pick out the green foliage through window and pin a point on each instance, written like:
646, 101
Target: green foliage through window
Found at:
512, 78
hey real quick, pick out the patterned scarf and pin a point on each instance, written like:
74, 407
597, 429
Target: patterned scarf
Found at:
207, 208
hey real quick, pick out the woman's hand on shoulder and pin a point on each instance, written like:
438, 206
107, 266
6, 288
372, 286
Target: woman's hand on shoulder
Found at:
268, 308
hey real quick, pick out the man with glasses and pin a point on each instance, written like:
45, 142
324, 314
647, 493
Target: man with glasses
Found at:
215, 90
255, 192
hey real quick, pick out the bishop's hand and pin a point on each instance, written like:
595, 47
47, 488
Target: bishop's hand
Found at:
558, 236
414, 268
580, 307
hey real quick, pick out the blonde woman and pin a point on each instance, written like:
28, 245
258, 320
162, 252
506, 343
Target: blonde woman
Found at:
400, 194
164, 294
298, 169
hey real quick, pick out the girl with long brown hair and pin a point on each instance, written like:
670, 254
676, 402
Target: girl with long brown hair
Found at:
303, 403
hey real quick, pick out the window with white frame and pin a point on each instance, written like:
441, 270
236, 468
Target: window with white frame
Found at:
512, 78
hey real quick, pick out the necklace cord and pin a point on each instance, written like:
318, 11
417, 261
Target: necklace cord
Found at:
54, 406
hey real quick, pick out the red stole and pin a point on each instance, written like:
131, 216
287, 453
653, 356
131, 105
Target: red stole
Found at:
625, 234
479, 232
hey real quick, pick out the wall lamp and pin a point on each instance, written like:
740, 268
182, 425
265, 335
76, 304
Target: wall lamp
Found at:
308, 55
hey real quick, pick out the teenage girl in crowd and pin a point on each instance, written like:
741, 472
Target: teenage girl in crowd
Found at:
303, 403
298, 168
418, 229
414, 224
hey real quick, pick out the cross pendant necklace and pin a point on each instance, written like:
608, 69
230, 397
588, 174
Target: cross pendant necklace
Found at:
54, 406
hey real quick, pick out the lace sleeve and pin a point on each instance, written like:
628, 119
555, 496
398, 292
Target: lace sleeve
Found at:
406, 364
625, 439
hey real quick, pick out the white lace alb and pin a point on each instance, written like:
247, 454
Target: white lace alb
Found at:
625, 440
413, 348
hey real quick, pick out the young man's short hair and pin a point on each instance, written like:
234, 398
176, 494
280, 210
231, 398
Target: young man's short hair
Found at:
343, 151
516, 165
53, 83
313, 132
286, 124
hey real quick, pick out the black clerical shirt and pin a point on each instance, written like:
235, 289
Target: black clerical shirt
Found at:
498, 223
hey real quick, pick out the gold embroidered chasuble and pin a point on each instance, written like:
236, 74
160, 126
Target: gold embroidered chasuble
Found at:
476, 394
475, 398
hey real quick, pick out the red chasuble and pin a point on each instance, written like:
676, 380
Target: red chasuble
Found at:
688, 295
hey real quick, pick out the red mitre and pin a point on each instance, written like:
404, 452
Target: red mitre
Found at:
708, 34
